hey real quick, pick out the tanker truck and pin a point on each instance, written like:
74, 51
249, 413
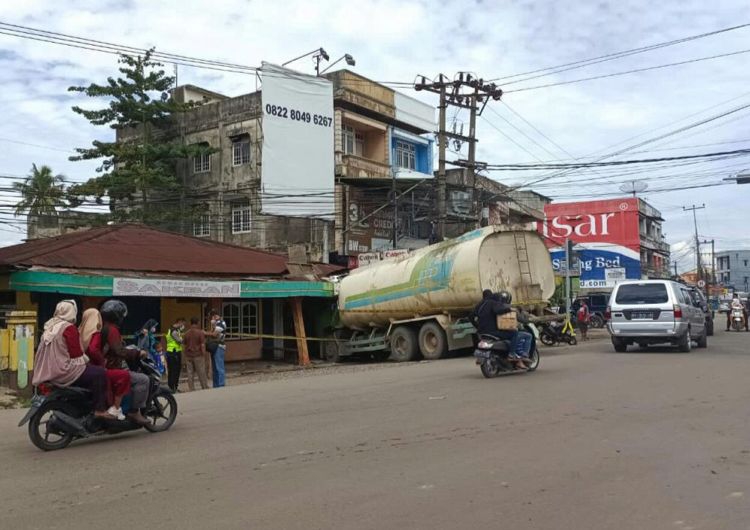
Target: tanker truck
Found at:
419, 303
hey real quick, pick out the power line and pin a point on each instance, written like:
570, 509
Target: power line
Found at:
611, 56
626, 72
620, 54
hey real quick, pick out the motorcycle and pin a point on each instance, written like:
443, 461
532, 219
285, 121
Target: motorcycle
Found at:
554, 333
738, 319
61, 414
491, 354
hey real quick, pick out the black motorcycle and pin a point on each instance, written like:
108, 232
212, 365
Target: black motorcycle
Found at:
552, 333
61, 414
491, 355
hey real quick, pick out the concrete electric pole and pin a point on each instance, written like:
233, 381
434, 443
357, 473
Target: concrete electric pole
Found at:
693, 208
464, 92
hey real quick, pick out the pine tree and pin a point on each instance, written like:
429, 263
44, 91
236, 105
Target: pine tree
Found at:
138, 170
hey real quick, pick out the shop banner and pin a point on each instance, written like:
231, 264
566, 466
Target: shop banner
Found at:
169, 288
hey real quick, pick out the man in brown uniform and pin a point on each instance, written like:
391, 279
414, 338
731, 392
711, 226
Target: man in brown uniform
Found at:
194, 354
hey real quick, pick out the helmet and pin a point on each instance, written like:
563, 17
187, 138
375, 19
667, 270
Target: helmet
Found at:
505, 297
114, 311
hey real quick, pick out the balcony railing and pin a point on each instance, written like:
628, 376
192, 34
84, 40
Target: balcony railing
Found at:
352, 166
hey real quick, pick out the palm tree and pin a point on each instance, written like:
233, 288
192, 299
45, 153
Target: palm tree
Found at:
42, 193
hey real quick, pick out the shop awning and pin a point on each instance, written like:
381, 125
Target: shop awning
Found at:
167, 287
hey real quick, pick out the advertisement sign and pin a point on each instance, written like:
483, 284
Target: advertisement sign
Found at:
298, 158
371, 227
368, 258
175, 288
606, 236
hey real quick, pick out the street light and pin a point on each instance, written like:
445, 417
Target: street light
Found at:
740, 178
317, 53
346, 57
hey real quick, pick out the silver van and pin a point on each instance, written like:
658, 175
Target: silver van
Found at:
646, 312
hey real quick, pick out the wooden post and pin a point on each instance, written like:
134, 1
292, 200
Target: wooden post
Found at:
299, 330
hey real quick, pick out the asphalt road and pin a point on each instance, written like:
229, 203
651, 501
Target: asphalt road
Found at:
593, 440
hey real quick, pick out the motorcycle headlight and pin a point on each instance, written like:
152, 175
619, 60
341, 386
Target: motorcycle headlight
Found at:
484, 345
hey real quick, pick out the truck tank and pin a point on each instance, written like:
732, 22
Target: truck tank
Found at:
448, 278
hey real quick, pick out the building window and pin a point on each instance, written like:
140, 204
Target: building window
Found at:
202, 163
241, 319
202, 226
745, 263
354, 141
406, 155
241, 218
241, 150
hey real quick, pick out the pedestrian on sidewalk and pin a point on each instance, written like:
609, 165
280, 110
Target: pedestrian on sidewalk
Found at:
194, 354
173, 337
215, 344
583, 316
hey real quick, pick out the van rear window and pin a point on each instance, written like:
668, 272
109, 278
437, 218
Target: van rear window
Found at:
642, 293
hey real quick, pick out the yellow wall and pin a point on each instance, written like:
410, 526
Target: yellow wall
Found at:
24, 303
174, 308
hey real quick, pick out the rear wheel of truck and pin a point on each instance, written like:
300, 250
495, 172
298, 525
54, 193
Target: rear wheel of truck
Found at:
433, 343
403, 344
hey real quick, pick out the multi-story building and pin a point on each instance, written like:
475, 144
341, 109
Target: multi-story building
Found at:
733, 269
382, 182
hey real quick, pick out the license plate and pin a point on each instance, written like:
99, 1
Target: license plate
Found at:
481, 354
642, 315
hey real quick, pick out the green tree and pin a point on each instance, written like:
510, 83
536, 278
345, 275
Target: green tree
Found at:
42, 193
138, 169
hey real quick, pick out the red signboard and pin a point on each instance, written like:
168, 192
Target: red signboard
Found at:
612, 221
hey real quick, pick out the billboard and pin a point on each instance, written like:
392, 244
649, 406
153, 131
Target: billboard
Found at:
297, 165
606, 235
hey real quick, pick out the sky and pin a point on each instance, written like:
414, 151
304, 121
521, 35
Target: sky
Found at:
398, 40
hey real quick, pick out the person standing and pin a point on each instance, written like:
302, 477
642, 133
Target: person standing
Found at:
174, 339
195, 355
215, 345
583, 316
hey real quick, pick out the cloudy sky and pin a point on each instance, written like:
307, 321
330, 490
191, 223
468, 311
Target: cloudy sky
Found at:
395, 41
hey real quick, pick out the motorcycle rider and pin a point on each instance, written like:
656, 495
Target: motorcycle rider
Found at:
117, 356
736, 303
484, 318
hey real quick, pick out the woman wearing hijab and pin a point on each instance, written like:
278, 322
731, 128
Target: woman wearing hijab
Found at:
60, 359
91, 340
146, 340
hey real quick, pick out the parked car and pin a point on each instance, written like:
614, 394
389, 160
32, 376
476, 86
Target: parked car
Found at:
597, 303
647, 312
708, 311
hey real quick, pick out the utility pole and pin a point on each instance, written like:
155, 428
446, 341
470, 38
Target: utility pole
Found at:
693, 208
675, 267
465, 92
712, 277
567, 277
443, 143
475, 214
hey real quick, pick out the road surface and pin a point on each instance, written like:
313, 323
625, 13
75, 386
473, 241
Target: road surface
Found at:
594, 440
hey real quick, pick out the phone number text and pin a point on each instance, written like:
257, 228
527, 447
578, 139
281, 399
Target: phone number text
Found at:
298, 115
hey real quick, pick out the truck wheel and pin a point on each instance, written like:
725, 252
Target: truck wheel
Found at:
432, 341
597, 321
332, 351
403, 344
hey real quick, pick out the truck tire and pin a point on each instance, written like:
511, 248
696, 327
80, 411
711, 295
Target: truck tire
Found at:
433, 343
597, 321
620, 345
403, 344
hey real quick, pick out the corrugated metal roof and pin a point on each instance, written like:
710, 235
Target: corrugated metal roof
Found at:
139, 248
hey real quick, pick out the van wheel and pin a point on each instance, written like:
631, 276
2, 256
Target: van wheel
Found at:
620, 345
685, 343
710, 327
597, 321
403, 344
433, 344
703, 340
